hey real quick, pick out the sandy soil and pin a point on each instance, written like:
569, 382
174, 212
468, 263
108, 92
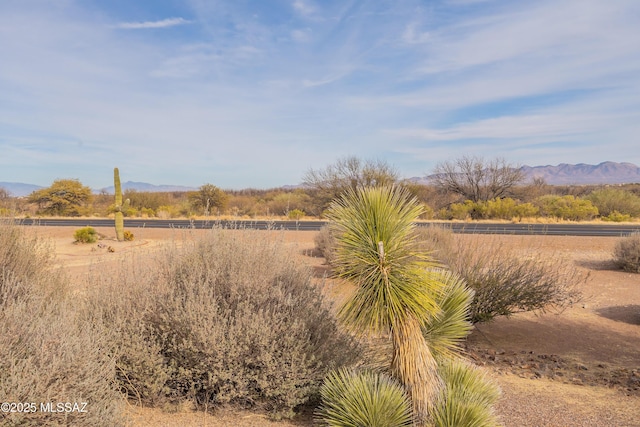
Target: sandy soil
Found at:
580, 367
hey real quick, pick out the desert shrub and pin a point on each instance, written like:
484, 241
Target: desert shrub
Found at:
616, 216
24, 259
627, 253
167, 211
501, 208
130, 212
436, 240
295, 214
469, 210
504, 282
613, 200
465, 210
146, 199
566, 207
325, 244
526, 210
85, 235
147, 213
427, 212
228, 319
508, 208
123, 301
47, 354
363, 398
128, 236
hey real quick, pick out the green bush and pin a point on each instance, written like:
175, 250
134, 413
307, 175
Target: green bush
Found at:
229, 319
627, 253
467, 210
295, 214
613, 202
508, 208
427, 212
168, 211
86, 235
128, 236
566, 207
616, 216
501, 208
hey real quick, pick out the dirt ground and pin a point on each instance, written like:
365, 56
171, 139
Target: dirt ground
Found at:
580, 367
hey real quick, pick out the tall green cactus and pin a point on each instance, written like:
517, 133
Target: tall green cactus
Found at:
119, 206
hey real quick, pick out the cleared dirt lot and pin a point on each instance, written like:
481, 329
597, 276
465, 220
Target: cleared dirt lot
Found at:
580, 367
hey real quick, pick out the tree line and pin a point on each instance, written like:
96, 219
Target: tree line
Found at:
460, 189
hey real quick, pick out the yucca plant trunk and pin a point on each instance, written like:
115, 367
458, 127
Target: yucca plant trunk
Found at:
414, 365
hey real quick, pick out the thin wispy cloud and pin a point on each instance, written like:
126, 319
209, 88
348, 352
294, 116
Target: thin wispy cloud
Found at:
164, 23
304, 8
252, 95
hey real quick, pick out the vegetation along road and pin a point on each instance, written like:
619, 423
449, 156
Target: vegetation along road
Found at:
611, 230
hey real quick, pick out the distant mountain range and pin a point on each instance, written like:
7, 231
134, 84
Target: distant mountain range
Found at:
19, 189
151, 188
580, 174
603, 173
562, 174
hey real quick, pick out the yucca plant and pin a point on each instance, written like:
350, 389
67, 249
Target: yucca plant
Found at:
446, 331
364, 398
467, 398
396, 292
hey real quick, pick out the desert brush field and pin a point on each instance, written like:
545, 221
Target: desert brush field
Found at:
579, 366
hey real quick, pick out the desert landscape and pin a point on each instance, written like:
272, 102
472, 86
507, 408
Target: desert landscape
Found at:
578, 367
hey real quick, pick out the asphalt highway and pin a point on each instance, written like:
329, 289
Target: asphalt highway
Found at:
611, 230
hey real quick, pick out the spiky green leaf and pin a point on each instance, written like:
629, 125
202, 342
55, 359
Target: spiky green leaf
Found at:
356, 399
467, 398
450, 326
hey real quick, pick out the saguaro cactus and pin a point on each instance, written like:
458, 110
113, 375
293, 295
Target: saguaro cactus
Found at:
119, 206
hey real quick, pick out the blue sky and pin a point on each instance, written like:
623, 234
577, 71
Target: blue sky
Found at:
254, 93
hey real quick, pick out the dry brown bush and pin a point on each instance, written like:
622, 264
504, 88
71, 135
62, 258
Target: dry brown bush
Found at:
504, 282
47, 354
627, 253
232, 318
325, 244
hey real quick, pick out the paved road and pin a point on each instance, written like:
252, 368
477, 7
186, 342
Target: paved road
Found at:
468, 227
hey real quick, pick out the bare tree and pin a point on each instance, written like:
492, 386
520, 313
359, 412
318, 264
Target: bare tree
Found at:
476, 179
348, 172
